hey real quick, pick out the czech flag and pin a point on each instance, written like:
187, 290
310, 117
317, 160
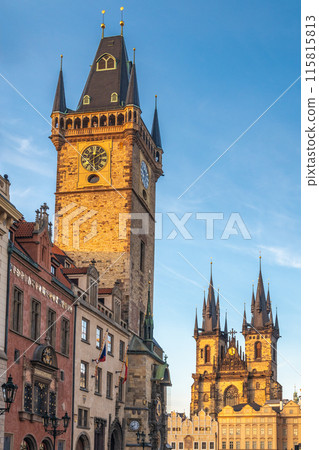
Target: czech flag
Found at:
102, 357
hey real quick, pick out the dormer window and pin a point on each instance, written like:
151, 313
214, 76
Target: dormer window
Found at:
106, 62
114, 97
86, 100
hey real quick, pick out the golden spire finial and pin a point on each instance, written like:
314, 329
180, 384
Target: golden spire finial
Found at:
61, 56
122, 21
155, 101
134, 55
103, 24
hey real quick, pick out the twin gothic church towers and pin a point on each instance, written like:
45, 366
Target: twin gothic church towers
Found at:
225, 375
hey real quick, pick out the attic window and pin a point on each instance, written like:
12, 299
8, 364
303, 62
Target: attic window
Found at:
86, 100
114, 97
106, 62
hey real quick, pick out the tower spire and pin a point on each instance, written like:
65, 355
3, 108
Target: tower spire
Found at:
155, 133
196, 325
204, 313
149, 322
59, 104
132, 97
122, 21
244, 326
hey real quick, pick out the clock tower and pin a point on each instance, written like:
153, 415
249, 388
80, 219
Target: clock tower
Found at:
108, 163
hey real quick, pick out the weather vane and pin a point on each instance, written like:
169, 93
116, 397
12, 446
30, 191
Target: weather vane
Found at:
103, 24
122, 21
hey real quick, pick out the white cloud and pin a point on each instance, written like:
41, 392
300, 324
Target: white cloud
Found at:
282, 256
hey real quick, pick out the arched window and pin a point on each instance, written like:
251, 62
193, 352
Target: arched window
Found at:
129, 116
157, 157
258, 350
86, 121
68, 124
114, 97
134, 116
231, 396
106, 62
120, 119
102, 121
207, 354
77, 123
111, 120
86, 100
56, 123
205, 398
62, 123
94, 121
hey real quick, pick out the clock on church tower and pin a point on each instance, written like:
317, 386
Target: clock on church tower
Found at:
108, 164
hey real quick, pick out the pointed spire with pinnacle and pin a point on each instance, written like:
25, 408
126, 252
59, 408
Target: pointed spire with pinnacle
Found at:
277, 324
204, 313
132, 97
218, 312
196, 326
244, 327
59, 104
268, 301
226, 326
156, 135
260, 312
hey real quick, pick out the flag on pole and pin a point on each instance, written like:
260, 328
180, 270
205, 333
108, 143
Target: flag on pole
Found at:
102, 356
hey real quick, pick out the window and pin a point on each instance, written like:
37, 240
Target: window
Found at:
223, 444
238, 431
247, 445
35, 319
231, 444
254, 431
51, 326
231, 431
195, 445
109, 384
295, 431
258, 350
53, 270
99, 332
120, 396
224, 431
86, 100
98, 378
262, 445
65, 335
180, 445
40, 392
7, 442
247, 431
270, 431
114, 97
262, 431
82, 418
121, 353
106, 62
203, 445
237, 445
211, 446
174, 445
142, 256
83, 375
61, 445
85, 330
269, 444
17, 310
207, 354
254, 444
110, 344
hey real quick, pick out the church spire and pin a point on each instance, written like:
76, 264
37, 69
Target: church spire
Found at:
132, 97
204, 313
156, 135
59, 104
244, 326
226, 326
196, 325
260, 310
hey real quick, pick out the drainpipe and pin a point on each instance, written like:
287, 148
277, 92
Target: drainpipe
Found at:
10, 246
73, 369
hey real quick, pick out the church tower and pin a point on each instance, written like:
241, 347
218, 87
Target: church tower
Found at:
108, 164
225, 375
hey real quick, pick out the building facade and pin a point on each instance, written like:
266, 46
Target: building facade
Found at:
40, 336
108, 164
8, 214
226, 375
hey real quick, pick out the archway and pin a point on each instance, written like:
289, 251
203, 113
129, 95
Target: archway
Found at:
46, 444
231, 396
83, 443
28, 443
115, 436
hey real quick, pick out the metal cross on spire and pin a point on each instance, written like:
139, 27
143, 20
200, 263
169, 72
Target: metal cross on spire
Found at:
232, 332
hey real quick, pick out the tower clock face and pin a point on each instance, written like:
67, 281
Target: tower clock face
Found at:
47, 356
231, 351
144, 174
94, 158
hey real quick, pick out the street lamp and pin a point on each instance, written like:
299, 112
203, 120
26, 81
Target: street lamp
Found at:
9, 391
141, 440
53, 421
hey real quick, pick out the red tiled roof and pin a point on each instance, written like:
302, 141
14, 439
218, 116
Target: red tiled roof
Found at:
24, 229
105, 291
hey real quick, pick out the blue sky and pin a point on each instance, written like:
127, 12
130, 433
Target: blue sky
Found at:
216, 67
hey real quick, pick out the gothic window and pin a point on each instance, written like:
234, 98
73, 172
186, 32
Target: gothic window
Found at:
231, 396
258, 350
77, 123
86, 100
114, 97
35, 319
68, 124
94, 121
65, 336
106, 62
86, 121
111, 120
51, 326
102, 121
207, 354
120, 119
17, 310
62, 123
